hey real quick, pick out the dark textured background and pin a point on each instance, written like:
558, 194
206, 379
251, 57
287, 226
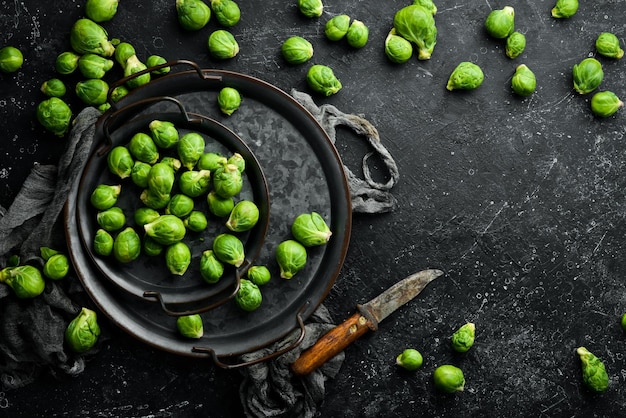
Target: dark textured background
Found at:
519, 201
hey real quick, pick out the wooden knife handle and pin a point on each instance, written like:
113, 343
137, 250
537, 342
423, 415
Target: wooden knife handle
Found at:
331, 344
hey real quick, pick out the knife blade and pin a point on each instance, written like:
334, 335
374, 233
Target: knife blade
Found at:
367, 317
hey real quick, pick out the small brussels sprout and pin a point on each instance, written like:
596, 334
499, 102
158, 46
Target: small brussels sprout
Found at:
134, 66
222, 44
173, 163
623, 322
83, 331
587, 75
101, 10
180, 205
211, 269
120, 162
178, 258
296, 50
466, 76
154, 200
192, 15
337, 27
358, 34
427, 4
259, 275
151, 248
161, 180
26, 281
310, 229
118, 93
103, 243
46, 253
111, 219
54, 115
605, 104
410, 359
11, 59
564, 9
229, 249
66, 62
449, 379
190, 326
196, 221
322, 79
227, 181
417, 24
56, 267
243, 217
500, 23
397, 49
311, 8
515, 45
248, 296
93, 91
127, 245
291, 258
523, 82
53, 88
195, 183
211, 161
164, 133
155, 61
104, 196
123, 52
218, 205
145, 215
86, 36
607, 44
104, 107
94, 66
139, 174
237, 160
226, 12
143, 148
190, 148
166, 229
463, 338
228, 100
595, 377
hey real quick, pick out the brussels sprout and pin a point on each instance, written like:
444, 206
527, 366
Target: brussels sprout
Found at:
196, 221
173, 163
466, 76
86, 36
120, 162
237, 160
322, 79
139, 173
56, 267
500, 23
410, 359
243, 217
248, 296
195, 183
310, 229
222, 44
229, 249
623, 322
605, 103
417, 25
190, 149
143, 148
463, 338
150, 247
515, 45
161, 180
93, 91
166, 229
126, 245
358, 34
164, 133
123, 52
133, 66
54, 115
259, 275
211, 161
523, 82
226, 12
311, 8
46, 253
103, 243
155, 61
145, 215
53, 88
218, 205
564, 9
607, 44
211, 269
83, 331
397, 49
587, 75
427, 4
118, 92
448, 378
296, 50
104, 107
228, 100
153, 199
337, 27
94, 66
227, 181
11, 59
595, 377
178, 258
105, 196
26, 281
180, 205
66, 62
190, 326
101, 10
192, 14
111, 219
291, 258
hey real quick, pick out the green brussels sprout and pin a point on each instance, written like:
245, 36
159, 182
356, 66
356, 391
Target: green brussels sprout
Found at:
123, 52
211, 269
66, 62
427, 4
190, 326
228, 100
229, 249
133, 66
500, 23
195, 183
463, 338
587, 75
54, 115
218, 205
564, 9
93, 91
118, 92
104, 107
105, 196
310, 229
417, 25
243, 217
311, 8
466, 76
173, 163
11, 59
153, 199
515, 45
397, 49
139, 173
127, 245
120, 162
222, 44
145, 215
150, 247
226, 12
237, 160
337, 27
322, 79
296, 50
143, 148
83, 331
291, 258
53, 88
196, 221
190, 148
358, 34
46, 253
161, 180
227, 181
86, 36
26, 281
248, 296
410, 359
192, 15
448, 378
166, 229
211, 161
103, 243
180, 205
101, 10
178, 258
607, 44
605, 103
56, 267
623, 322
523, 82
111, 219
595, 377
94, 66
259, 275
164, 133
155, 61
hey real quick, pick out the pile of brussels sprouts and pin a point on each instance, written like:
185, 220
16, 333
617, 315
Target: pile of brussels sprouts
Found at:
413, 25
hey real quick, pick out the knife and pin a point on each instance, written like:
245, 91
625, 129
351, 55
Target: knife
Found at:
367, 317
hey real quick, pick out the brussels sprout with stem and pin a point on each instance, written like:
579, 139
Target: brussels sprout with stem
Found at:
83, 331
178, 258
410, 359
515, 45
93, 91
463, 338
296, 50
243, 217
500, 23
416, 24
11, 59
605, 104
155, 61
397, 49
311, 8
154, 200
218, 205
227, 181
173, 163
607, 44
111, 219
123, 52
86, 36
196, 221
120, 162
211, 269
229, 249
105, 196
94, 65
524, 81
594, 374
118, 93
192, 15
259, 275
56, 267
427, 4
249, 296
587, 75
26, 280
310, 229
139, 174
222, 44
66, 62
564, 9
211, 161
226, 12
322, 79
190, 326
337, 27
291, 257
237, 160
180, 205
466, 76
161, 180
145, 215
357, 34
164, 133
195, 183
53, 88
54, 115
127, 245
448, 378
47, 252
190, 148
103, 243
134, 66
228, 100
101, 10
142, 148
166, 229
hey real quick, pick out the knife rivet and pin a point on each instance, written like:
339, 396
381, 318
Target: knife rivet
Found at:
352, 329
362, 320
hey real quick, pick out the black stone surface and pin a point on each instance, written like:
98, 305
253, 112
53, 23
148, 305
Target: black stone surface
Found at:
519, 201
